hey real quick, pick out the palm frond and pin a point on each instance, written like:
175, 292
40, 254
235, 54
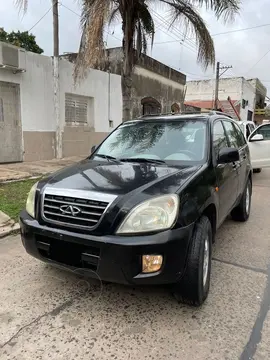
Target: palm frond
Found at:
114, 15
22, 5
227, 9
146, 20
93, 19
184, 12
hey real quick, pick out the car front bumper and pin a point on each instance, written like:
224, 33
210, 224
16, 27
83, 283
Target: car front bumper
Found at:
109, 258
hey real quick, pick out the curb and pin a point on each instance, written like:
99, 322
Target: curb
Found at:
9, 230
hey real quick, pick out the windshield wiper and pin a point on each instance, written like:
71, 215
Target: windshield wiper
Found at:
144, 160
107, 157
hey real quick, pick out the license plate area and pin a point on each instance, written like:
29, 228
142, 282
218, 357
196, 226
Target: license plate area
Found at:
68, 253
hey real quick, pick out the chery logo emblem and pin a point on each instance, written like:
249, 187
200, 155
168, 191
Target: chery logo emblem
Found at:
70, 210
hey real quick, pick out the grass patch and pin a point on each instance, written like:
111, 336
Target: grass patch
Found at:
13, 197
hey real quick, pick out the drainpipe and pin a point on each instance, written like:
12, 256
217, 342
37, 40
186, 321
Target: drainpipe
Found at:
109, 96
56, 93
56, 97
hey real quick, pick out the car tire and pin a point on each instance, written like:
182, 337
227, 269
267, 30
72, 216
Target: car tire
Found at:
257, 171
241, 212
193, 287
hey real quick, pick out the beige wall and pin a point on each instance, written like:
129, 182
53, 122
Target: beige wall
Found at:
39, 145
78, 140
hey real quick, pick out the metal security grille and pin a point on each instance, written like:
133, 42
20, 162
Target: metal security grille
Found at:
76, 108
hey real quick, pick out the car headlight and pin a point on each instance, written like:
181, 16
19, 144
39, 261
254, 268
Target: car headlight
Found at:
152, 215
30, 202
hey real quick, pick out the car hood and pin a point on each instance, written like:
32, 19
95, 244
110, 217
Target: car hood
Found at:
121, 178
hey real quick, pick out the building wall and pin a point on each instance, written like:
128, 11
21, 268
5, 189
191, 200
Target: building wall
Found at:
205, 89
147, 84
237, 88
248, 94
151, 79
105, 104
37, 107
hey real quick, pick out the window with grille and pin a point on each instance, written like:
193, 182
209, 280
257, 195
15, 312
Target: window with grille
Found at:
76, 108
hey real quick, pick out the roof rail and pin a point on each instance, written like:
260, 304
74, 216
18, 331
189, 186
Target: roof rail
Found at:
214, 112
210, 112
173, 113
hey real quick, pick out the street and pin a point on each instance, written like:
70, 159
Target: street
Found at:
47, 313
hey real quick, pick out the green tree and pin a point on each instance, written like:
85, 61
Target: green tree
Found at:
138, 25
21, 39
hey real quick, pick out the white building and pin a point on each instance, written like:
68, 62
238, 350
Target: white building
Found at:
88, 112
244, 94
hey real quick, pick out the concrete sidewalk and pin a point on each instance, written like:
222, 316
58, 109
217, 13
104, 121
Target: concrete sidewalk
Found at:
24, 170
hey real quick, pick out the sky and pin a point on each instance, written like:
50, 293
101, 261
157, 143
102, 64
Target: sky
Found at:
247, 51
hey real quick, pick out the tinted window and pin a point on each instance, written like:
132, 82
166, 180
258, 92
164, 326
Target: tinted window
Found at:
219, 137
232, 134
183, 140
265, 131
241, 141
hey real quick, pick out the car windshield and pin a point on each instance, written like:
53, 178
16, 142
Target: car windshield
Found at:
174, 140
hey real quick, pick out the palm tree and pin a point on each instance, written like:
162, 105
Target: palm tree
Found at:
137, 26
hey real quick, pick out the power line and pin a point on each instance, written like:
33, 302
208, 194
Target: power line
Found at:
74, 12
225, 32
42, 17
238, 30
258, 61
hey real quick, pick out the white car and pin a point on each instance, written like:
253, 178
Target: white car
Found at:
259, 143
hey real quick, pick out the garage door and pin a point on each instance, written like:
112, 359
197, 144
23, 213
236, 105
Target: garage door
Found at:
10, 123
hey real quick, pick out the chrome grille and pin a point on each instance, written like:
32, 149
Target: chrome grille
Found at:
72, 211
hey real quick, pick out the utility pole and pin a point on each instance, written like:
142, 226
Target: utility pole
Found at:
58, 134
218, 75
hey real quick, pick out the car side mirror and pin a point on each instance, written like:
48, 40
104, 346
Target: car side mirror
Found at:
93, 148
228, 155
256, 137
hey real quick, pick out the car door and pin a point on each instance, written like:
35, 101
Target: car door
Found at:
226, 174
260, 148
237, 141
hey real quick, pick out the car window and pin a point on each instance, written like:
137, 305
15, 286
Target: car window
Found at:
265, 131
248, 131
241, 141
219, 137
232, 134
252, 127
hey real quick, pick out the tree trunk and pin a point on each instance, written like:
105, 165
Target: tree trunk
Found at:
127, 67
126, 96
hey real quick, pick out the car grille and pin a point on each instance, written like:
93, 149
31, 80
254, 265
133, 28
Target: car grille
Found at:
71, 211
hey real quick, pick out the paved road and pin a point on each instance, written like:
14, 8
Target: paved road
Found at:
47, 313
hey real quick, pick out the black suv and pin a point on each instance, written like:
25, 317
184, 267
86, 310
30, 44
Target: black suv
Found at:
144, 207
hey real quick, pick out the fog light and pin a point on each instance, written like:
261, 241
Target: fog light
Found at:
151, 263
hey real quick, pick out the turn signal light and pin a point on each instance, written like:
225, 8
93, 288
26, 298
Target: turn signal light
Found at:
151, 263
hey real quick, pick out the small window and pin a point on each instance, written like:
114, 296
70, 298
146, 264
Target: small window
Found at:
76, 108
110, 123
232, 134
219, 137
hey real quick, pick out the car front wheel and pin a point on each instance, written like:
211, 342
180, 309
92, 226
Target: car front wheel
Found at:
193, 287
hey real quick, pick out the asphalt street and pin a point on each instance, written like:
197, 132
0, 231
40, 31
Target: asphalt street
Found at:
47, 313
